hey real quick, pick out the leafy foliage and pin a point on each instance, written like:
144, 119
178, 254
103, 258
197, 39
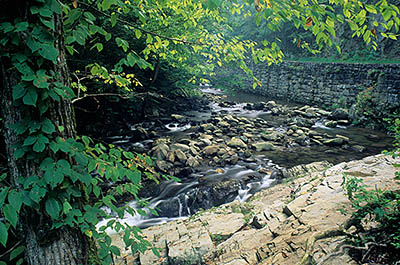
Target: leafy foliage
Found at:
65, 181
376, 206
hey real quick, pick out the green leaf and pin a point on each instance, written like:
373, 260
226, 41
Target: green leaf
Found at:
3, 234
19, 91
55, 6
30, 140
37, 193
47, 126
53, 208
48, 52
16, 252
113, 19
99, 47
18, 153
21, 26
11, 215
66, 207
15, 198
40, 144
3, 195
31, 97
371, 9
138, 34
387, 14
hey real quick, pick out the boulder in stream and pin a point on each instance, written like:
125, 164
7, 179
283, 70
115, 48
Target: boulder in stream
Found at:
236, 142
339, 114
264, 146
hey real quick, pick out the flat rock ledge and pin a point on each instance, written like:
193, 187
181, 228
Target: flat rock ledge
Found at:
290, 223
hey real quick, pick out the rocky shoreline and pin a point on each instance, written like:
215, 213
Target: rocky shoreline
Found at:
290, 223
233, 147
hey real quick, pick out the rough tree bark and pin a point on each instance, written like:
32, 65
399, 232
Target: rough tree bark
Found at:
43, 245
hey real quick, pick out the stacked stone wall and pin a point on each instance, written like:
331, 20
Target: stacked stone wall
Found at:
328, 84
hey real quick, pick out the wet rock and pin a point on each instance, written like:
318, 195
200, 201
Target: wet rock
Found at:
160, 151
316, 141
248, 135
236, 142
210, 150
139, 134
258, 106
271, 104
205, 142
182, 147
313, 111
302, 140
232, 159
334, 142
343, 122
264, 146
324, 112
345, 139
177, 117
207, 127
339, 114
181, 156
192, 162
171, 157
272, 136
163, 165
359, 148
331, 124
275, 111
279, 174
223, 124
312, 133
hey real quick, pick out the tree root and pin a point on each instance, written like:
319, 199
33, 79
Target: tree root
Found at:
341, 251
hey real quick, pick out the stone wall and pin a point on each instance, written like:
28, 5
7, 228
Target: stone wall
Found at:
328, 84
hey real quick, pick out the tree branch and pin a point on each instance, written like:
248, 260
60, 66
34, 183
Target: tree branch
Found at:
143, 30
100, 95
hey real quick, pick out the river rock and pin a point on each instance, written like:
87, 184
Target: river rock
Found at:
343, 122
334, 142
271, 136
359, 148
210, 150
345, 139
181, 156
207, 127
182, 147
264, 146
223, 124
177, 117
171, 157
163, 165
331, 124
339, 114
192, 162
236, 142
160, 151
258, 106
271, 104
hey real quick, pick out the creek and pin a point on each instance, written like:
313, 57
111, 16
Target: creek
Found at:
273, 137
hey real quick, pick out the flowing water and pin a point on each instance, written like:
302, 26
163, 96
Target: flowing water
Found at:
209, 186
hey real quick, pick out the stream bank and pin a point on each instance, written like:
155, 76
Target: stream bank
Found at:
233, 146
290, 223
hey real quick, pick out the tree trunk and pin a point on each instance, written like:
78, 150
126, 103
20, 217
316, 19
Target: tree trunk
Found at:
43, 245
